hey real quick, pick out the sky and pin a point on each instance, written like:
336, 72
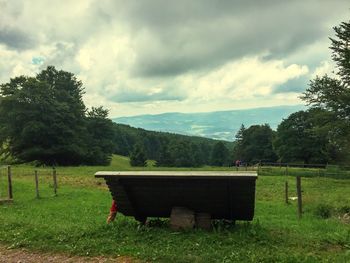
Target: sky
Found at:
154, 56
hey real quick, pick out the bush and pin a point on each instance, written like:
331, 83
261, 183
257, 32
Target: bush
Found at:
323, 211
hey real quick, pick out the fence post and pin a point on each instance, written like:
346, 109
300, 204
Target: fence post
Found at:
286, 192
286, 186
36, 184
54, 175
300, 208
9, 179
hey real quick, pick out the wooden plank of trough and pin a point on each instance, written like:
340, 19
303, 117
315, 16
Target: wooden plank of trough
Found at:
177, 174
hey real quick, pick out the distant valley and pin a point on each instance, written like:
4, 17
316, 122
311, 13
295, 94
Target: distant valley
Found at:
221, 125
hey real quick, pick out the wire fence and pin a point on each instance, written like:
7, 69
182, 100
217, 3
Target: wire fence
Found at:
303, 170
44, 180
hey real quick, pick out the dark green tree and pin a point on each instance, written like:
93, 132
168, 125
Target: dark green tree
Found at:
43, 118
120, 141
303, 137
100, 137
238, 144
255, 144
341, 51
164, 158
138, 156
239, 134
220, 155
198, 158
181, 154
333, 93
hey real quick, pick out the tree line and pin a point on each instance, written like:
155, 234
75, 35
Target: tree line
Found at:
168, 149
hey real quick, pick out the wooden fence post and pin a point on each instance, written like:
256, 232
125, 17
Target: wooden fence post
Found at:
286, 186
54, 181
286, 192
36, 184
9, 178
300, 208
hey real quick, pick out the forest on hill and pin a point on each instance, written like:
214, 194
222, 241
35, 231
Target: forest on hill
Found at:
169, 149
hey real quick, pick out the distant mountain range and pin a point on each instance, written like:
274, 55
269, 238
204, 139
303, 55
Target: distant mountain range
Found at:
221, 125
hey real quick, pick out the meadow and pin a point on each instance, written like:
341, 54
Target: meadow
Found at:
73, 222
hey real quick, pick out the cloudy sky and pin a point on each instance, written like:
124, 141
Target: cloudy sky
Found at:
154, 56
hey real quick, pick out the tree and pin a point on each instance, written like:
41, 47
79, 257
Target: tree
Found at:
42, 118
333, 94
303, 137
238, 143
181, 154
341, 51
164, 158
220, 155
239, 134
255, 144
138, 156
100, 137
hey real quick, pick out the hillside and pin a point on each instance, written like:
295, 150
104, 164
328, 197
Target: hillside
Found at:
221, 125
197, 150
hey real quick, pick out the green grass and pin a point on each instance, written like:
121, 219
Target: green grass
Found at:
74, 222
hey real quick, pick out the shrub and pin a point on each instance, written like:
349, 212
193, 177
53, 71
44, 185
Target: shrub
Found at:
323, 211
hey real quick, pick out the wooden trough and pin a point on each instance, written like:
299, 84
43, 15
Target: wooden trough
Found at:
223, 195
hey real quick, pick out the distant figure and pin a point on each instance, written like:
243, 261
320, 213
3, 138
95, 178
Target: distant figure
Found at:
238, 163
112, 212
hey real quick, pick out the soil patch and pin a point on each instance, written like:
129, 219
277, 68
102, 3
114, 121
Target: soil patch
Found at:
26, 256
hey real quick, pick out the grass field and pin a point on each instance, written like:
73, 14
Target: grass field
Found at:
74, 222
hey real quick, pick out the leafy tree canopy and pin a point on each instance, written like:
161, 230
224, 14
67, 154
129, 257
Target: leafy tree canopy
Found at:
333, 93
220, 155
255, 144
43, 118
304, 137
138, 156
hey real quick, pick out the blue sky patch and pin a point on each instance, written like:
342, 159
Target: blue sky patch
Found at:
38, 60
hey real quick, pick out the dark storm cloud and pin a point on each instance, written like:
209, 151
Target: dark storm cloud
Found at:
294, 85
180, 36
16, 39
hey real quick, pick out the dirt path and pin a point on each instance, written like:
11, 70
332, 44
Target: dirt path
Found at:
25, 256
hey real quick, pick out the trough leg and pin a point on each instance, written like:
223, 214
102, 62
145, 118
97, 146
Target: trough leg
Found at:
141, 219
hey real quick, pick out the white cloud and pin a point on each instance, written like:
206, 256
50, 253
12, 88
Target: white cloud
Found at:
135, 57
325, 67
